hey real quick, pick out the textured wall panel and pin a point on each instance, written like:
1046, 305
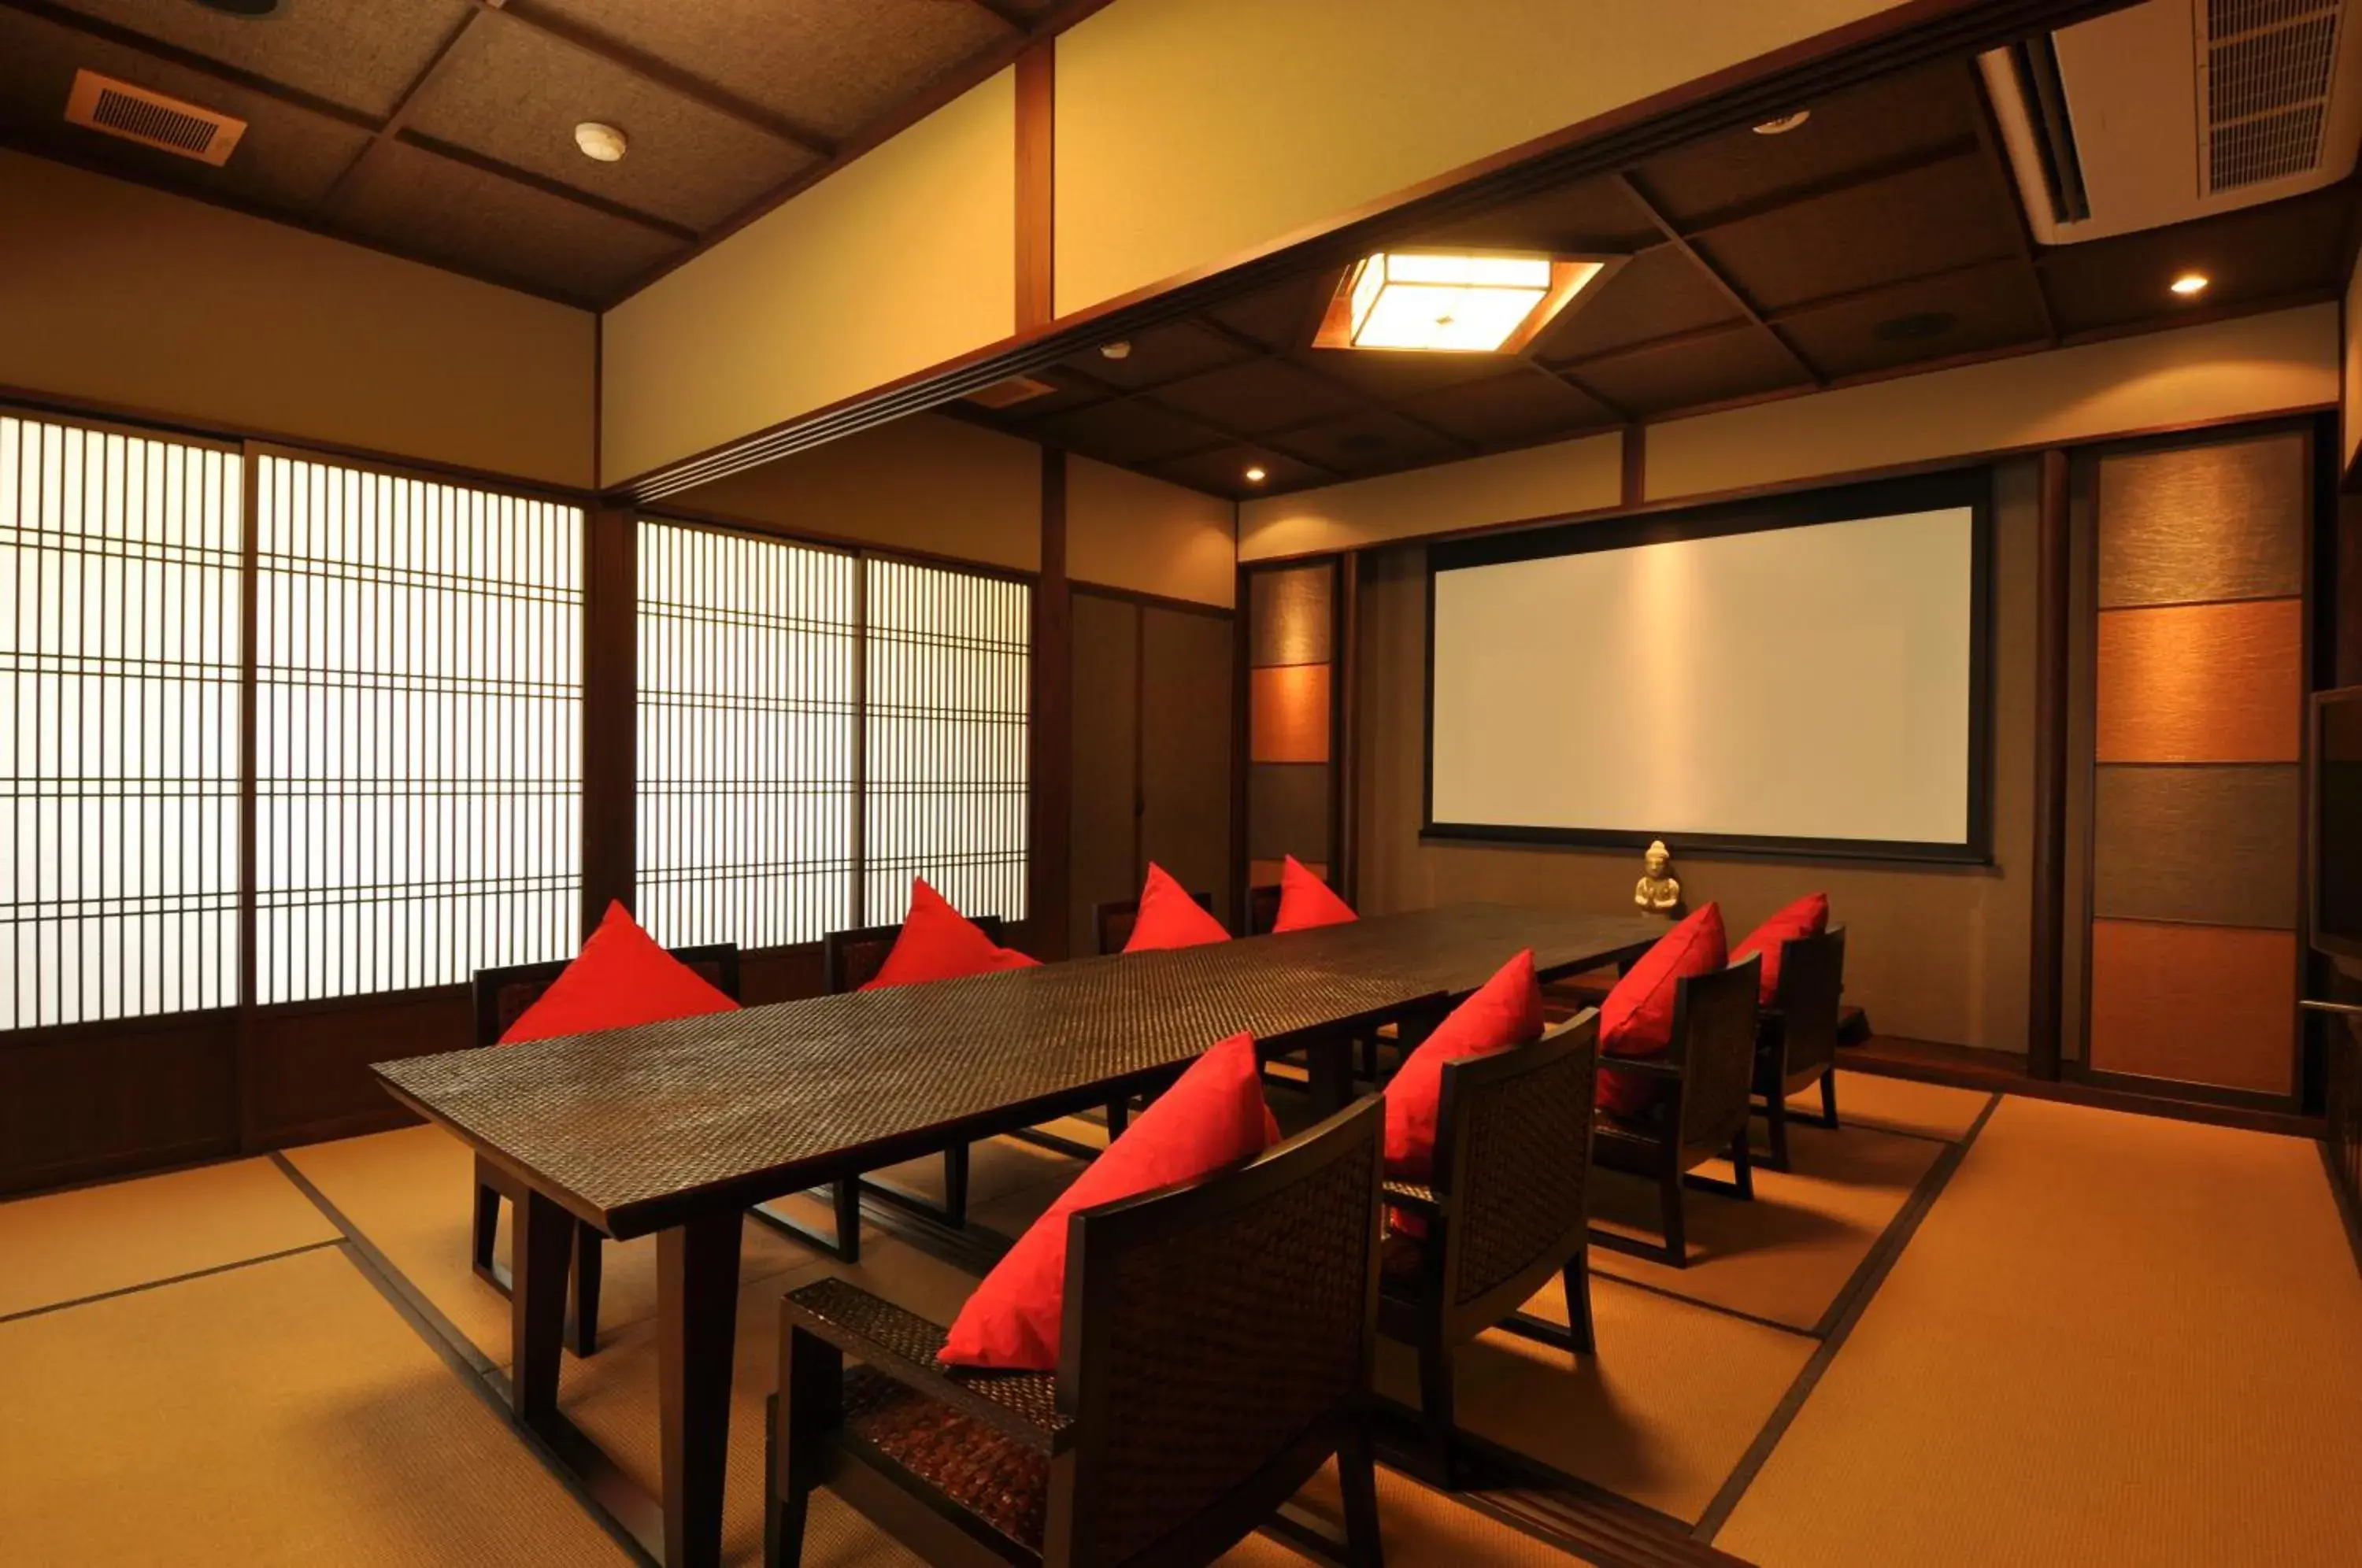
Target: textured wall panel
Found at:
1288, 705
1184, 823
2222, 521
2201, 682
2209, 845
1106, 716
1288, 616
2203, 1004
1287, 811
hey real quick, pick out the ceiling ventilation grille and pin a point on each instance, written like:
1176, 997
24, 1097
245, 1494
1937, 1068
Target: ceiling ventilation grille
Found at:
2265, 68
135, 114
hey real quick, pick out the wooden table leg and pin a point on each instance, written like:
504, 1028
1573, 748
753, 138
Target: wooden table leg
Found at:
1331, 1059
697, 1331
542, 1247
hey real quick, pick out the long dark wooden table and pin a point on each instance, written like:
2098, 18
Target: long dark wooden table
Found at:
678, 1128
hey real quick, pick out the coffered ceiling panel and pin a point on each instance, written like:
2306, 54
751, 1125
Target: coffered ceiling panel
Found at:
1128, 431
362, 56
1368, 441
1509, 409
1255, 397
515, 94
833, 65
1595, 214
1167, 354
1991, 306
1389, 377
1222, 471
1688, 374
1657, 294
2256, 254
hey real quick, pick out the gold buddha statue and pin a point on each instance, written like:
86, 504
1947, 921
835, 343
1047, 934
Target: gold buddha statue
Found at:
1658, 892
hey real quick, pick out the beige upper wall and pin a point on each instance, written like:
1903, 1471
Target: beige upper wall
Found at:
1127, 530
1192, 132
115, 294
2252, 366
927, 483
902, 259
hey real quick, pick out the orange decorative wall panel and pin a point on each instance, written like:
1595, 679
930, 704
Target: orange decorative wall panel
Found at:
1290, 709
2207, 1004
2202, 682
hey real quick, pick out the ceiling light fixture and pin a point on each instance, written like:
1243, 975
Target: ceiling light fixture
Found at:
1785, 124
2189, 285
1257, 476
1454, 301
604, 143
1119, 350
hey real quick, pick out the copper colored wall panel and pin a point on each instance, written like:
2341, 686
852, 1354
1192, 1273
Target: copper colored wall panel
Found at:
2203, 1004
2206, 845
1289, 617
1290, 709
2202, 682
2221, 521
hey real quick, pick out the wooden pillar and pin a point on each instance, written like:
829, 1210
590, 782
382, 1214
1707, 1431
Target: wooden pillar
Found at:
609, 707
1344, 735
1051, 736
2046, 1013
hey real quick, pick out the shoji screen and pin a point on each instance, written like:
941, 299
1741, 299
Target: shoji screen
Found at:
419, 696
747, 738
945, 719
119, 663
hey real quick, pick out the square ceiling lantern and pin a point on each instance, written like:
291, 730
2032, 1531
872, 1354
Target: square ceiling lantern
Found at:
1454, 301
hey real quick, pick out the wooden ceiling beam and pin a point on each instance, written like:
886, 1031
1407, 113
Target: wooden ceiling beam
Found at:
1006, 13
1722, 283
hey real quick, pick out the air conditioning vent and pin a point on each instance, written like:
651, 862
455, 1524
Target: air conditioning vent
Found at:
135, 114
2268, 68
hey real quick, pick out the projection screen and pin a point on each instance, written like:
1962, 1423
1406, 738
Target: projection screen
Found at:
1804, 676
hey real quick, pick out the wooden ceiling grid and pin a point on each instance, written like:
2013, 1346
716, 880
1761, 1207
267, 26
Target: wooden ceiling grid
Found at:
441, 129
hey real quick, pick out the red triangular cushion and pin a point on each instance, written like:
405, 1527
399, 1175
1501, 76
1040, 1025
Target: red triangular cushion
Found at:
1214, 1115
1636, 1018
621, 978
1507, 1010
938, 943
1306, 902
1808, 916
1169, 917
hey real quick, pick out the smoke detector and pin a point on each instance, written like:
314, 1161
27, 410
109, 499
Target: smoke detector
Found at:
134, 113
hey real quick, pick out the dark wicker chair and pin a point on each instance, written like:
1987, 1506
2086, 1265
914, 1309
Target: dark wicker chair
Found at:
1797, 1038
1702, 1112
1503, 1213
1114, 920
501, 996
1262, 910
849, 960
1216, 1350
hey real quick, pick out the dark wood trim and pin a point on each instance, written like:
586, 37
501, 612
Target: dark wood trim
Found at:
1344, 730
2004, 181
2076, 1088
1242, 747
610, 709
1635, 465
1037, 186
2046, 1019
1724, 284
1050, 738
249, 616
846, 544
1151, 600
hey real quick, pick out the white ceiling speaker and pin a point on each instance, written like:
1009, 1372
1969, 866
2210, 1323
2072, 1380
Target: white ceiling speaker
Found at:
602, 142
2178, 110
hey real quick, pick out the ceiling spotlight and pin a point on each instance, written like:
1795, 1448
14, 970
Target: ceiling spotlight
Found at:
604, 143
2189, 285
1475, 301
1785, 124
1119, 350
1257, 476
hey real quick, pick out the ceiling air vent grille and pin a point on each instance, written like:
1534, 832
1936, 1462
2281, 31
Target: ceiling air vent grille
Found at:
135, 114
2266, 67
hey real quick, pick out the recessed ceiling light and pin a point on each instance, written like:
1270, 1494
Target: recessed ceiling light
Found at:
1474, 302
604, 143
1785, 124
2189, 285
1119, 350
1256, 475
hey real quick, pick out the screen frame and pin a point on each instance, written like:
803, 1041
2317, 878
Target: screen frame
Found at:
2317, 707
1969, 487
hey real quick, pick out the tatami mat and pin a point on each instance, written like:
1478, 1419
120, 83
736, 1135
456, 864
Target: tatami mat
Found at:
2114, 1339
1418, 1526
281, 1412
1788, 1255
1662, 1415
1897, 1105
86, 1243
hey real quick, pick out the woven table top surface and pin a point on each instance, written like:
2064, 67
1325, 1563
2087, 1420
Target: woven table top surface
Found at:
632, 1127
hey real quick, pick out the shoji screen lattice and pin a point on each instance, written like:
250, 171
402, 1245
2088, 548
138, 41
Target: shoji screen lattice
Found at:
747, 728
945, 716
419, 731
119, 661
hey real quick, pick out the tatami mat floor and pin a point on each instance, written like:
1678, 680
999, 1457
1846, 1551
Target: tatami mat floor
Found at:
291, 1361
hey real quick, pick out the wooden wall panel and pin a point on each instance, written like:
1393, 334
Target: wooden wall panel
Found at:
2210, 846
2221, 521
1184, 776
1103, 839
1289, 615
90, 1101
1288, 712
2202, 682
1287, 811
2195, 1004
311, 1064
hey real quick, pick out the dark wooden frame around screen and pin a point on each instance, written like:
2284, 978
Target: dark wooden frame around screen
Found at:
1970, 487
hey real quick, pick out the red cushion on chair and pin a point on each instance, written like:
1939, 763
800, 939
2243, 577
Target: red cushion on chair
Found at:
1213, 1116
1306, 902
938, 943
1636, 1018
1169, 917
621, 978
1808, 916
1507, 1010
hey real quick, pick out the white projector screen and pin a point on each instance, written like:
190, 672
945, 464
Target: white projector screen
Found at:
1742, 682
